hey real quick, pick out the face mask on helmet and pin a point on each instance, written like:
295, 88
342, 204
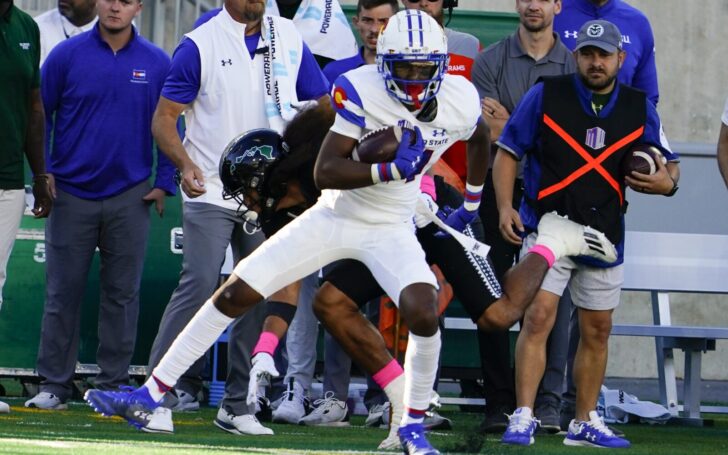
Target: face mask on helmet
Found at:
412, 57
245, 169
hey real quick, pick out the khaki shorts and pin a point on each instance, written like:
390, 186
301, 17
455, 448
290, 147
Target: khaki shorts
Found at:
592, 288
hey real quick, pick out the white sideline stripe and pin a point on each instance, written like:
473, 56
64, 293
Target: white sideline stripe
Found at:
30, 234
173, 448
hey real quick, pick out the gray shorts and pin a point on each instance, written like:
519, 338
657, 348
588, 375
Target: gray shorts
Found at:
592, 288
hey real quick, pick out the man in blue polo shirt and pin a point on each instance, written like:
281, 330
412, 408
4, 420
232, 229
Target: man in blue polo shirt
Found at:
639, 69
99, 90
225, 86
575, 129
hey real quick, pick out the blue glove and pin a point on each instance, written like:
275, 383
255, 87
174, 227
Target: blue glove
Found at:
456, 219
410, 157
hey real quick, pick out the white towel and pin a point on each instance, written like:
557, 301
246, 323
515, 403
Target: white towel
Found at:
324, 27
616, 406
281, 102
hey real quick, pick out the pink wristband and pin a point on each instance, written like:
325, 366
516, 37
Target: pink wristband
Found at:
267, 342
427, 186
544, 252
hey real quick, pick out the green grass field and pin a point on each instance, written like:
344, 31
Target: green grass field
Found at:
81, 431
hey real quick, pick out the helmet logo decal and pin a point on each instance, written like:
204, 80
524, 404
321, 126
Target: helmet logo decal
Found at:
265, 151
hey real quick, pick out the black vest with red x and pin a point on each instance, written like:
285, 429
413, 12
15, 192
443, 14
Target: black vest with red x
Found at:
580, 155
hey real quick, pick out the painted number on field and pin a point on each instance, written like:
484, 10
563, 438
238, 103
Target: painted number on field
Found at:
39, 254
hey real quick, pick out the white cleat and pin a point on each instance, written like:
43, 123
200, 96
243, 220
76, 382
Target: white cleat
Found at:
291, 409
46, 400
161, 421
568, 238
240, 425
329, 412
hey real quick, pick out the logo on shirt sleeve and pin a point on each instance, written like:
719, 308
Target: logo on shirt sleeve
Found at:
340, 97
139, 76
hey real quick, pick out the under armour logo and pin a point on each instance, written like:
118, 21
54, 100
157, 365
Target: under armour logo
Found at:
572, 34
142, 415
414, 435
590, 436
438, 132
416, 162
226, 62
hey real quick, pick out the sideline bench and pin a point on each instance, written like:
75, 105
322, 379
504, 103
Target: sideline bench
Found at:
664, 263
661, 263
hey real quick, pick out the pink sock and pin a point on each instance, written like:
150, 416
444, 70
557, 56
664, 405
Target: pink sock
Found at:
544, 252
388, 373
427, 185
267, 342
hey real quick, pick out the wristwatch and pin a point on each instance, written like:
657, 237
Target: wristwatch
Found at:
674, 188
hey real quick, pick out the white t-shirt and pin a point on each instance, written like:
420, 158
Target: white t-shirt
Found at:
54, 28
362, 104
724, 118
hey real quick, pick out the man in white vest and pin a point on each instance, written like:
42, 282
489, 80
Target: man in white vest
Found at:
70, 18
322, 23
224, 88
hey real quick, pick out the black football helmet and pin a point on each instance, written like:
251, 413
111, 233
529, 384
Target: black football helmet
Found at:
246, 165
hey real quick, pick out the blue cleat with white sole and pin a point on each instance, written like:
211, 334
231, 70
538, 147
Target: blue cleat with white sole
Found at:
134, 405
414, 441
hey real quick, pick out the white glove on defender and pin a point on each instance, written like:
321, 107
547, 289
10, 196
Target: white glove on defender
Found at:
421, 219
263, 369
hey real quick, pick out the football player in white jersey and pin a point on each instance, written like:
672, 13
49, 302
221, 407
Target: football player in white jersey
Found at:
365, 213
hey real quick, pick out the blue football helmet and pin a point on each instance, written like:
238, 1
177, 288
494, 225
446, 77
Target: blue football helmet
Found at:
412, 56
245, 169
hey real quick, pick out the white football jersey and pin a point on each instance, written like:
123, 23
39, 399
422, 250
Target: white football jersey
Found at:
362, 104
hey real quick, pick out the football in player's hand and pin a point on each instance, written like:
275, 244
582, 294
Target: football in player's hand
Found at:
378, 146
642, 158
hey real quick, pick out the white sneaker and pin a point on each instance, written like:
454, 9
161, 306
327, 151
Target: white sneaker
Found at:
46, 400
242, 424
378, 416
567, 238
186, 402
291, 408
161, 421
328, 412
4, 407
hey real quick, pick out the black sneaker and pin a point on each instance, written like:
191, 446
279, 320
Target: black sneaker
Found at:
549, 414
496, 420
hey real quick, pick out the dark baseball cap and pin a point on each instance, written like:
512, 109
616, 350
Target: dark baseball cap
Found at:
601, 34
